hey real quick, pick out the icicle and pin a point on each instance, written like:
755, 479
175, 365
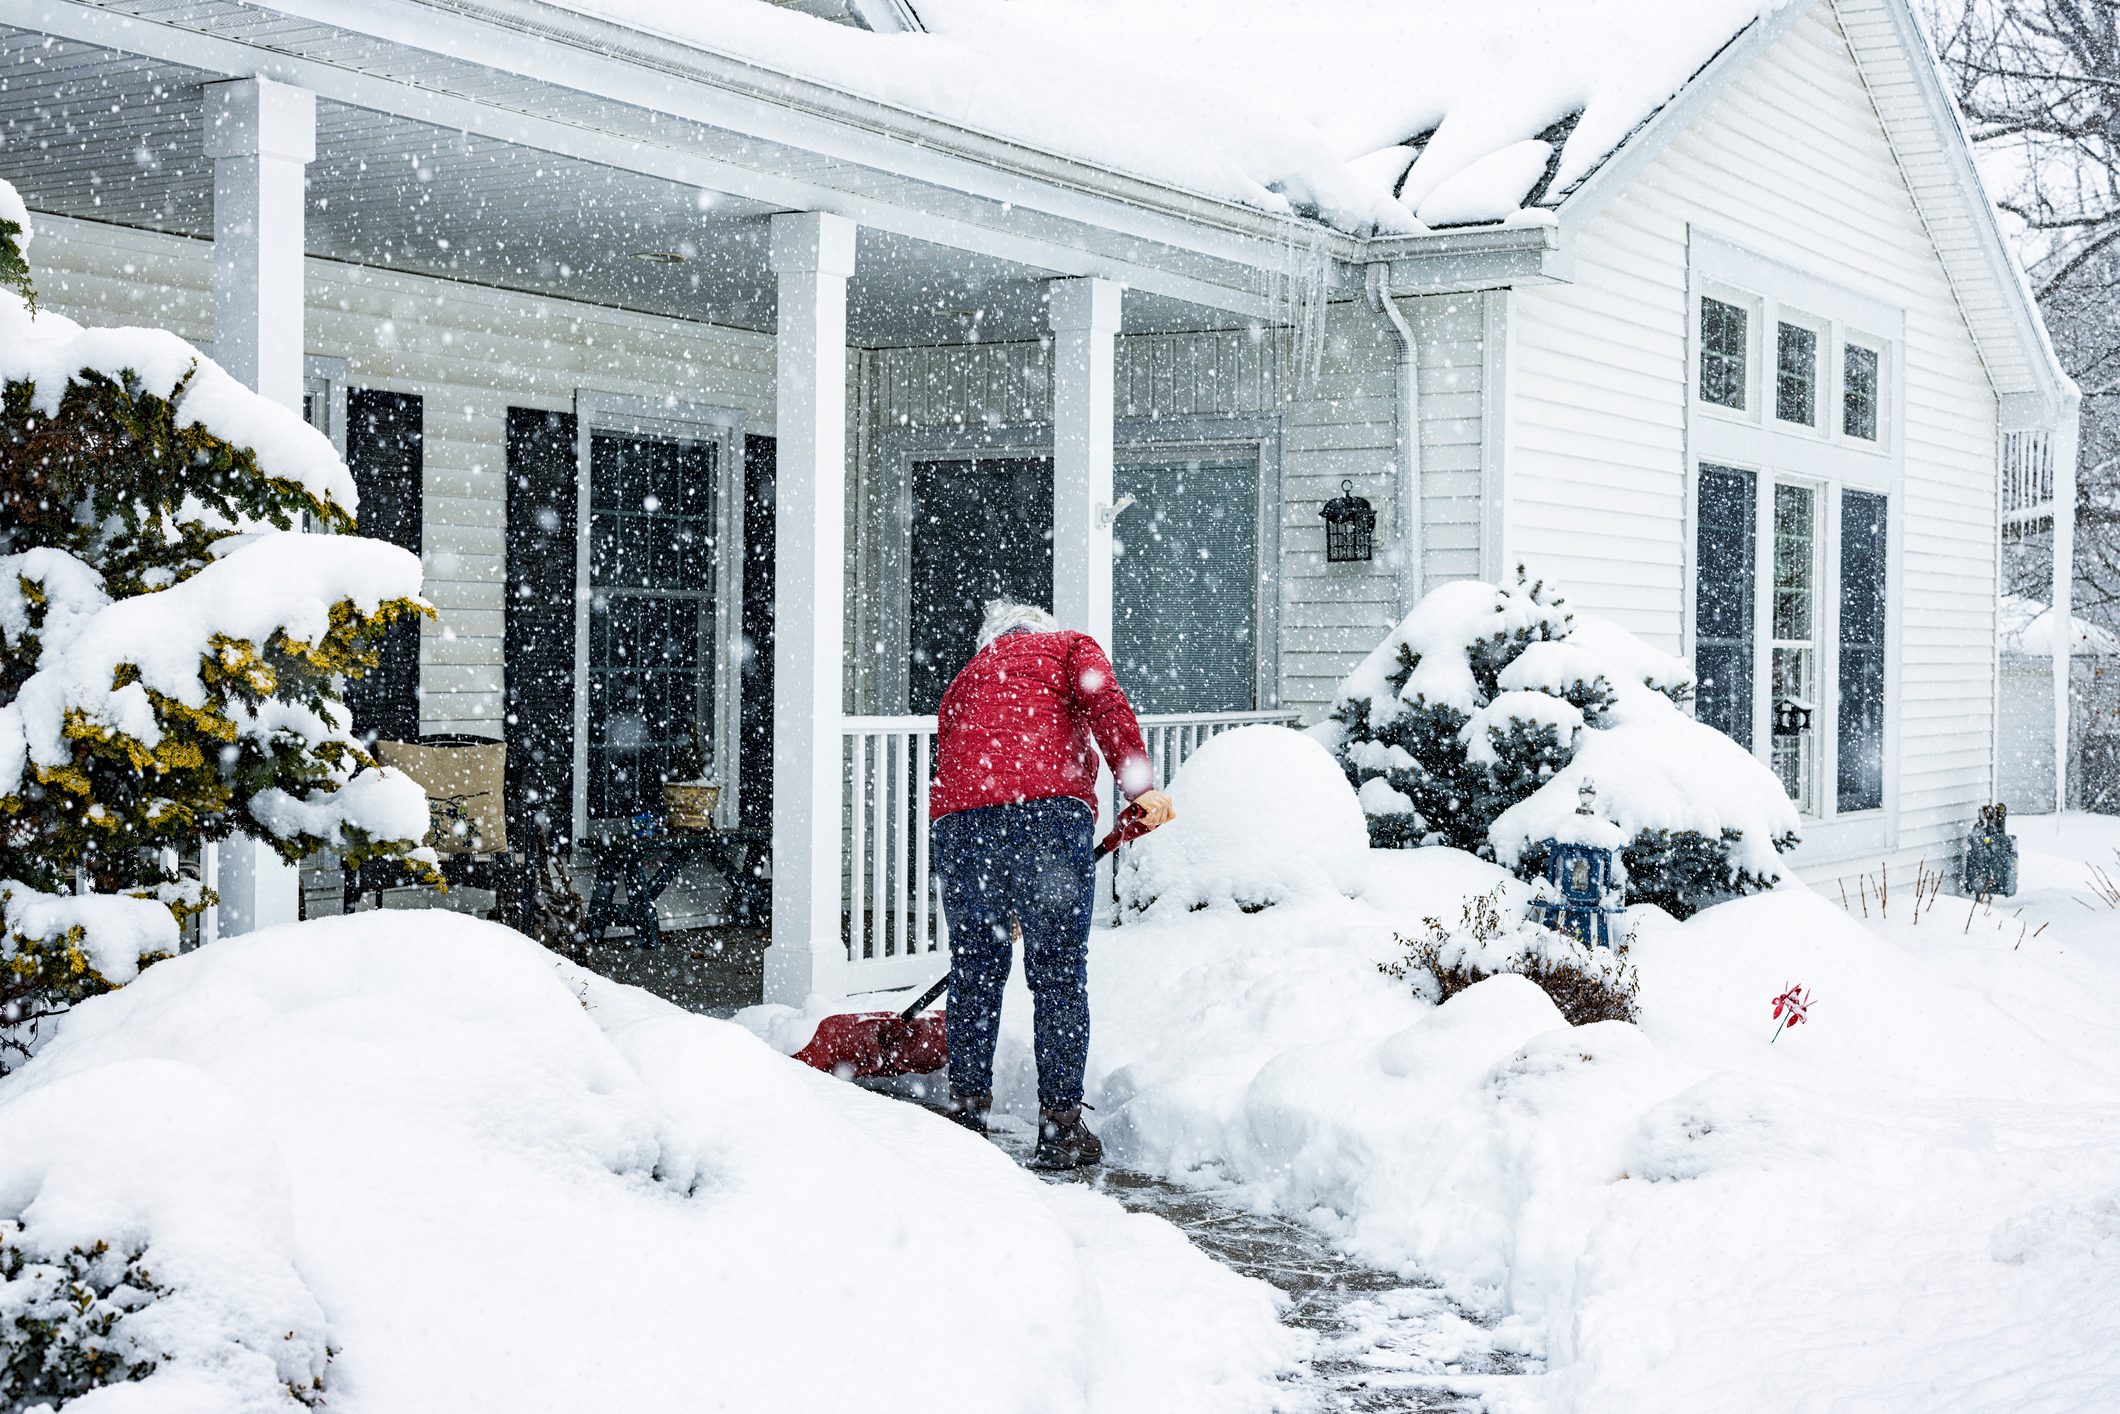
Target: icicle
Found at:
1297, 292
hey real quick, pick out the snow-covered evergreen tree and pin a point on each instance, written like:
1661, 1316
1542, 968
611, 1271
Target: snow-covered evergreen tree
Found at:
173, 645
1476, 722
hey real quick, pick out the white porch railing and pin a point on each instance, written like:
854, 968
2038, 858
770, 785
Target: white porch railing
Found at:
2027, 479
894, 930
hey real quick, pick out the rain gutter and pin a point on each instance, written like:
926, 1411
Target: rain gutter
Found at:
1406, 485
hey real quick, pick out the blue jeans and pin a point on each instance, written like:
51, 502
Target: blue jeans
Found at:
1032, 862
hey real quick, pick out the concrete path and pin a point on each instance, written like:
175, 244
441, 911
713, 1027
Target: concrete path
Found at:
1380, 1342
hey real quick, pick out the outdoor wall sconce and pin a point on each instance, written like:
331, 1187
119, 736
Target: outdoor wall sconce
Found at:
1350, 527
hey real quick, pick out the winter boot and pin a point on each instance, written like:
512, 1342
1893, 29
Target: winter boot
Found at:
968, 1110
1064, 1141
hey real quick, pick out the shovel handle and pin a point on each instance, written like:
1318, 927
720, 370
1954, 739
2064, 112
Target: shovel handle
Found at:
1126, 831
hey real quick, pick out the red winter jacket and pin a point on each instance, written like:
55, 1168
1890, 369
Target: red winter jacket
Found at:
1017, 722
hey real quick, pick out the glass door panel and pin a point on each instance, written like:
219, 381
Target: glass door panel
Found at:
982, 529
1185, 584
652, 563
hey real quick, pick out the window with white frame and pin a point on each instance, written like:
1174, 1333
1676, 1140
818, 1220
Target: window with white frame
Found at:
1791, 577
1725, 352
1796, 373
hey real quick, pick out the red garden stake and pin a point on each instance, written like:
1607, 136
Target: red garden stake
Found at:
1790, 1008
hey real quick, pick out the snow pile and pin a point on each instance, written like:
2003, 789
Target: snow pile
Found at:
1371, 114
2027, 627
1264, 815
1848, 1216
494, 1181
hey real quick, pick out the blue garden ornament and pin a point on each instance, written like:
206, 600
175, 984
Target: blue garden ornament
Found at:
1583, 892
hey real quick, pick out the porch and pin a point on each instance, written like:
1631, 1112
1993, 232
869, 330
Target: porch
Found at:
677, 456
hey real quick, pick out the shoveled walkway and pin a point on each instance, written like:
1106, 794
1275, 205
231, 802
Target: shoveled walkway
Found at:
1381, 1343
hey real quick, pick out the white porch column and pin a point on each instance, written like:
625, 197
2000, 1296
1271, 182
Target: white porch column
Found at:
2065, 437
1085, 319
260, 135
812, 254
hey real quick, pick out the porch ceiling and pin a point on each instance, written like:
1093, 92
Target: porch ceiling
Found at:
90, 132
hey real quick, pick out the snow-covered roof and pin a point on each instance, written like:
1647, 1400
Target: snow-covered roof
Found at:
1374, 115
2027, 627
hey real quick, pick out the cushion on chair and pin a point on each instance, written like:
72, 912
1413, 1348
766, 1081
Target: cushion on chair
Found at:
464, 781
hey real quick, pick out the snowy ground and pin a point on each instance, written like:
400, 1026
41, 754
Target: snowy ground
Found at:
1910, 1203
489, 1181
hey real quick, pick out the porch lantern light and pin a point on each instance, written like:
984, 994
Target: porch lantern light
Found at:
1581, 894
1350, 527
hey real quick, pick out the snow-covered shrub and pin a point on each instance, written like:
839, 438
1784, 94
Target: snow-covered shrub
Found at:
173, 647
1263, 815
63, 1321
1586, 983
1476, 722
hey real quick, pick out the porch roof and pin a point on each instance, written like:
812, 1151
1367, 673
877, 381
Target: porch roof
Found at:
1376, 116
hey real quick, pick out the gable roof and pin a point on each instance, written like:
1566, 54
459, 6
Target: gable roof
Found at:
1373, 116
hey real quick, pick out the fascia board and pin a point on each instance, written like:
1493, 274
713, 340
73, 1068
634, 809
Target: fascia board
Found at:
1456, 262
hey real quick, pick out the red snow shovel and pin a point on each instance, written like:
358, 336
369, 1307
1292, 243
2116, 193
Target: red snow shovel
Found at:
859, 1044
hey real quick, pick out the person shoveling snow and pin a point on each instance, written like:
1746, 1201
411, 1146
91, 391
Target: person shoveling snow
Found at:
1014, 811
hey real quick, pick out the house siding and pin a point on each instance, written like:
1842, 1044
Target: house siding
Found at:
1337, 424
1792, 163
472, 353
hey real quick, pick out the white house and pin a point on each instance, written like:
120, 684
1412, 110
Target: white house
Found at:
717, 358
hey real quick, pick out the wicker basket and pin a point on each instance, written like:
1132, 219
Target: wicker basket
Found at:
690, 808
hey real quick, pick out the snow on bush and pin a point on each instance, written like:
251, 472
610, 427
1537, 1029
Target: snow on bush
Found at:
1263, 815
1477, 721
477, 1179
143, 1194
173, 649
1586, 983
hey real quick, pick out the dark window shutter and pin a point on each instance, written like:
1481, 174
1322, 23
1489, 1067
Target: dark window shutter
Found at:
538, 623
1724, 562
386, 453
1862, 614
755, 798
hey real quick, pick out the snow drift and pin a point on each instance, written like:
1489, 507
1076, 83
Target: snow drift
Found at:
491, 1181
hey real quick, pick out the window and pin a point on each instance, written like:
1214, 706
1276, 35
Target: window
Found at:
1790, 589
1796, 374
1860, 777
652, 564
1722, 616
1859, 367
1794, 664
1724, 343
1185, 584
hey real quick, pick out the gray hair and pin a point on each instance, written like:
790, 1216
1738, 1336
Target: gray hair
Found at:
1002, 615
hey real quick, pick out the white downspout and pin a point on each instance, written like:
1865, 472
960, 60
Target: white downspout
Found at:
1407, 424
2064, 450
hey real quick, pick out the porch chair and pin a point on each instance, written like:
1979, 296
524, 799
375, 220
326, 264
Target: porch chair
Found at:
464, 777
